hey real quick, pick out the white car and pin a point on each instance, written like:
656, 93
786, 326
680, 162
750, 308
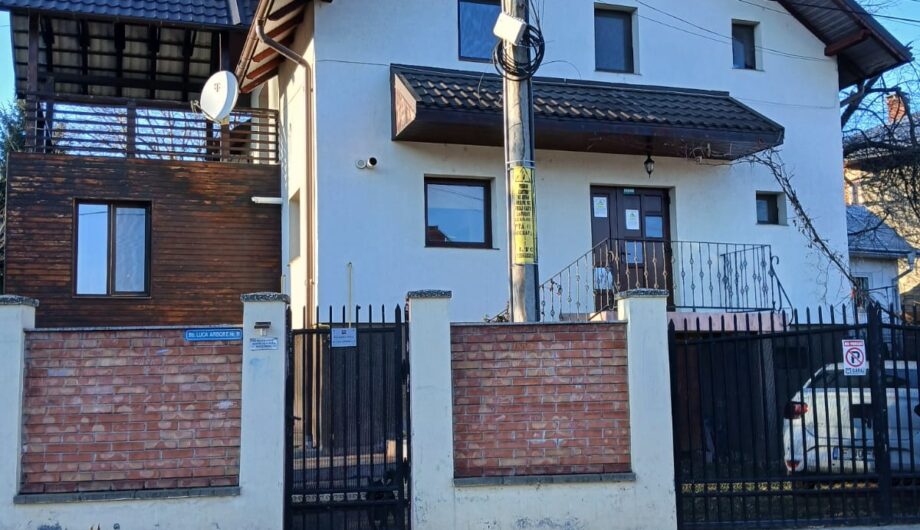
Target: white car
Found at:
827, 426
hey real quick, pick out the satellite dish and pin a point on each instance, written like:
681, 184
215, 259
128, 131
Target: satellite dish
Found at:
218, 97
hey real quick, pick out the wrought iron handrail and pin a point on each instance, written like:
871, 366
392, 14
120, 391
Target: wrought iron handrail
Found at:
147, 129
699, 275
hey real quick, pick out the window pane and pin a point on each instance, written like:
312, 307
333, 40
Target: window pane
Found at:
767, 209
130, 250
92, 248
477, 19
743, 46
613, 40
654, 226
456, 214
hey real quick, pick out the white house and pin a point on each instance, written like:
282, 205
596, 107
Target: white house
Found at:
393, 171
876, 254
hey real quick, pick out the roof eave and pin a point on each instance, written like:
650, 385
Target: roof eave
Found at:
76, 15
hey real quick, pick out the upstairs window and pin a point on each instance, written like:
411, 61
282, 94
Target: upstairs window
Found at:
613, 40
744, 49
112, 249
458, 213
477, 20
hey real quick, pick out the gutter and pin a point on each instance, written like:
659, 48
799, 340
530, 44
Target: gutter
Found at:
278, 47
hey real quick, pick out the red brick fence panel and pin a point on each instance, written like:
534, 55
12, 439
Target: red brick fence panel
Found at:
540, 399
129, 410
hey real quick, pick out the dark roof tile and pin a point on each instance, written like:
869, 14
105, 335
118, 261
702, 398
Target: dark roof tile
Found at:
563, 99
870, 235
203, 12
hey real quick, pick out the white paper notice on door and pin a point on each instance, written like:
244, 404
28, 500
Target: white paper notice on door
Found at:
600, 207
632, 220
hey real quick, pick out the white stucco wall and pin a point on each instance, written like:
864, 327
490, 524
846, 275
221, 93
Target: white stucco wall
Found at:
375, 218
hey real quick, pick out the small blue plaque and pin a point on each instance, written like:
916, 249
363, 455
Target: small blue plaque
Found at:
214, 335
344, 337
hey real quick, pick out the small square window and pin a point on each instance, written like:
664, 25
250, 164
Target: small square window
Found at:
112, 249
744, 48
768, 208
294, 226
613, 40
477, 20
458, 213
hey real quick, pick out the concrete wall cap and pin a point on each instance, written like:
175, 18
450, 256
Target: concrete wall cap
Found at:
265, 297
643, 293
12, 299
429, 293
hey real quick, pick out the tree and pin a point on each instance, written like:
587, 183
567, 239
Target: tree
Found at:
882, 153
12, 139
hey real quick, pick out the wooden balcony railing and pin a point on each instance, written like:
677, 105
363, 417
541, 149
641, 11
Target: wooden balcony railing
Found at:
147, 129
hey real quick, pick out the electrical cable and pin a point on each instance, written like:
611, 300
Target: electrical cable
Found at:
503, 58
508, 67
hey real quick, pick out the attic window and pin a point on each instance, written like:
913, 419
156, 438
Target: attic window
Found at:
477, 18
744, 48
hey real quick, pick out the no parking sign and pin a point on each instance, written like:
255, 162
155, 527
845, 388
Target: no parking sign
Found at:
854, 358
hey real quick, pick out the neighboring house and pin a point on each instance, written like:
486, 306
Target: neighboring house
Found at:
877, 257
866, 164
409, 83
126, 207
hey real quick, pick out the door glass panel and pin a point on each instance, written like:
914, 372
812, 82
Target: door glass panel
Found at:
92, 248
635, 253
130, 250
654, 226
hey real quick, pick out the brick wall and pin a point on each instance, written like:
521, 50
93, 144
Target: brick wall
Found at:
540, 399
129, 410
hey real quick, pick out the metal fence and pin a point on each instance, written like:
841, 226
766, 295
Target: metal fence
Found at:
152, 130
348, 445
699, 275
773, 427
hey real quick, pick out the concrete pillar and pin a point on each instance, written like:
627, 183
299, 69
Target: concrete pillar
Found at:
431, 404
17, 314
262, 416
652, 439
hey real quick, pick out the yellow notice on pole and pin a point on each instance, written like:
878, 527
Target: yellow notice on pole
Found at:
523, 221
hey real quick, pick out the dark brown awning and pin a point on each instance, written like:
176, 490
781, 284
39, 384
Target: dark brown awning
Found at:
457, 107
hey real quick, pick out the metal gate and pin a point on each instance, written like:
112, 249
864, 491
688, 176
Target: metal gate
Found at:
347, 454
773, 429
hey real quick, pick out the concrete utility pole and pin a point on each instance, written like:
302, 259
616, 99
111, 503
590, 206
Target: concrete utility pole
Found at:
519, 167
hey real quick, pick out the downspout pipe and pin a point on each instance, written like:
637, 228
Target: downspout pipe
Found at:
278, 47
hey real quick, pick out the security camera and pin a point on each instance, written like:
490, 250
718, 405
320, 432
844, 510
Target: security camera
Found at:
370, 163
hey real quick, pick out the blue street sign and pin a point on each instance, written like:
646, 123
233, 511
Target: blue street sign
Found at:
213, 334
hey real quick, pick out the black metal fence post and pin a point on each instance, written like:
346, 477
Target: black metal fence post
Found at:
875, 346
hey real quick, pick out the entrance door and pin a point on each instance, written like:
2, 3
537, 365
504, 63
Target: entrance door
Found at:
630, 230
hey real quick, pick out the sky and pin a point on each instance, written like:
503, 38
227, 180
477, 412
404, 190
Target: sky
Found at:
907, 32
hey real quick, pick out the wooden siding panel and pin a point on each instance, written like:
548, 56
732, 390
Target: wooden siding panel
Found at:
209, 242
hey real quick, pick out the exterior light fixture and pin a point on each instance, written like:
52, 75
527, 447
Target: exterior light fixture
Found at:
649, 165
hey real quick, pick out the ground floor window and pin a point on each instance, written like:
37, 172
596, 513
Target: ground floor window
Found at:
112, 249
458, 213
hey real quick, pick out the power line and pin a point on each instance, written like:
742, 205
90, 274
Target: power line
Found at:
722, 38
